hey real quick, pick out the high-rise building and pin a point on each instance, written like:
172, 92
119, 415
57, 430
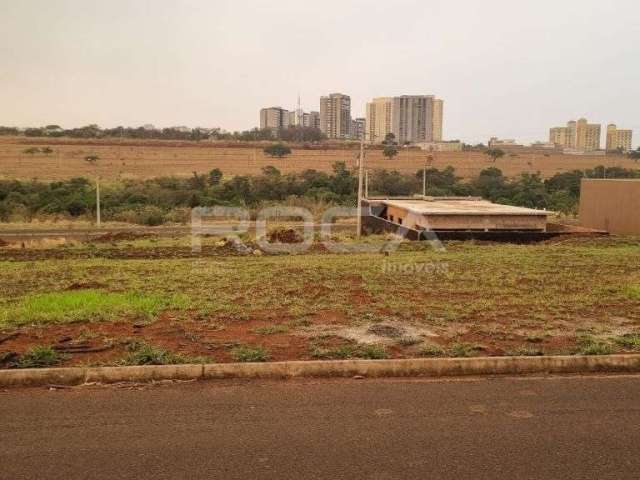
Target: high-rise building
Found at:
312, 120
335, 115
438, 108
274, 118
358, 128
558, 136
587, 135
379, 119
618, 139
579, 135
411, 119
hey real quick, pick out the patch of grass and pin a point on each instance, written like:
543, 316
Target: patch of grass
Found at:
588, 345
630, 341
633, 291
524, 351
248, 353
40, 356
85, 305
409, 341
460, 349
345, 352
372, 352
145, 354
432, 351
272, 330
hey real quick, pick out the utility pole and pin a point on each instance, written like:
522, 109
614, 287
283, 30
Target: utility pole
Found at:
427, 163
424, 179
360, 172
366, 183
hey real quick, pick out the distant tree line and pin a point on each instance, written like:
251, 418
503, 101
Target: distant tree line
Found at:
291, 134
169, 199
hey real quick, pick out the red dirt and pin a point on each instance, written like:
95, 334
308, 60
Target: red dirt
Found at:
120, 236
285, 235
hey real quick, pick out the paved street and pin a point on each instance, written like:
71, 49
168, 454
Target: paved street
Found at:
505, 428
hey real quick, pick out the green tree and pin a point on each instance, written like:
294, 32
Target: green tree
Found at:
390, 151
494, 153
278, 150
215, 177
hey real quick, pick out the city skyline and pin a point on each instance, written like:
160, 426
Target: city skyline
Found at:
213, 65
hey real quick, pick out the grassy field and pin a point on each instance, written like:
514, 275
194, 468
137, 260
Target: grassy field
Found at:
157, 158
95, 307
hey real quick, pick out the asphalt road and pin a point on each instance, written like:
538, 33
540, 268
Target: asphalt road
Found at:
551, 428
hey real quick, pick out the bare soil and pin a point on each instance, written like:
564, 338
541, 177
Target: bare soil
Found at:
147, 159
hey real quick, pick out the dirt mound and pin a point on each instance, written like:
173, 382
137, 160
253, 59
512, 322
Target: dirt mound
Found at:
120, 236
285, 235
383, 330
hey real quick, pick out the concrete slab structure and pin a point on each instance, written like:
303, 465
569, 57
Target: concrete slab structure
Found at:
611, 204
457, 214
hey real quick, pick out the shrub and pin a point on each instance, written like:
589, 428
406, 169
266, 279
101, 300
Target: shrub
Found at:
144, 354
524, 352
630, 341
432, 351
40, 356
247, 353
372, 352
588, 345
463, 349
278, 150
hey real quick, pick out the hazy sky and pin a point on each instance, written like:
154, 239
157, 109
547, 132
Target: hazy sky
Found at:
503, 67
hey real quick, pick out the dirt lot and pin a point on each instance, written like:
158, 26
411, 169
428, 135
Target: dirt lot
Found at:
154, 302
156, 158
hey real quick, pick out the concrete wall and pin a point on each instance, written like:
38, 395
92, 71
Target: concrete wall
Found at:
467, 222
611, 205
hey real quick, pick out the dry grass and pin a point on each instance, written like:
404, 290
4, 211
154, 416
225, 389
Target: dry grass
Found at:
156, 158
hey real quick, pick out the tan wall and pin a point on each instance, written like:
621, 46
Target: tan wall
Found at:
611, 205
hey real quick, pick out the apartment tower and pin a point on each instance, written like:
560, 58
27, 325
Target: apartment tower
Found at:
274, 118
335, 116
411, 119
579, 135
618, 139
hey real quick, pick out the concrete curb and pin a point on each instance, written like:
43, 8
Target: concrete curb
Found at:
435, 367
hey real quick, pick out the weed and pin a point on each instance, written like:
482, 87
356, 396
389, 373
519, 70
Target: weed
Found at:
630, 341
524, 351
40, 356
345, 352
272, 330
337, 353
372, 352
588, 345
432, 351
248, 353
144, 354
460, 349
633, 291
